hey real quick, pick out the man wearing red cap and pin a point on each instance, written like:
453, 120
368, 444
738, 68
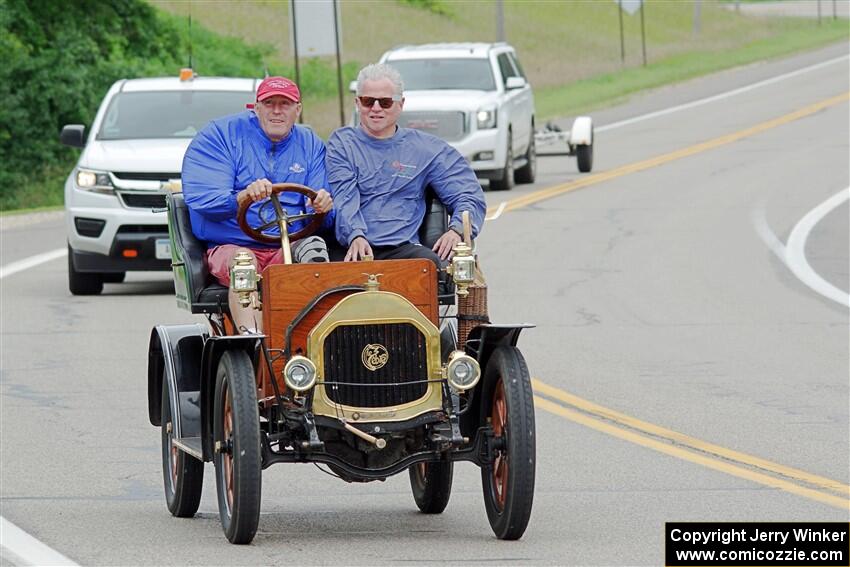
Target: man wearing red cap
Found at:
235, 160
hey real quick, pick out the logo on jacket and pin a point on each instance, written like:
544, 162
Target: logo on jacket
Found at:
374, 356
403, 170
296, 168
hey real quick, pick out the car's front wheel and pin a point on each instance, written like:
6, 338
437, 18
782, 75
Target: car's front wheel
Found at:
432, 485
508, 405
506, 181
236, 438
528, 172
81, 283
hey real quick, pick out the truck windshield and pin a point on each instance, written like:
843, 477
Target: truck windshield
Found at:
452, 74
167, 114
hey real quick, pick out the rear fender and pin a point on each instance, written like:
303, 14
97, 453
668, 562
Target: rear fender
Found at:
581, 133
214, 347
174, 355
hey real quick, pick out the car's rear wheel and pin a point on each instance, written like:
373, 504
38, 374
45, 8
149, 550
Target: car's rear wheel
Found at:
432, 485
81, 283
528, 172
182, 473
506, 181
236, 438
584, 156
508, 405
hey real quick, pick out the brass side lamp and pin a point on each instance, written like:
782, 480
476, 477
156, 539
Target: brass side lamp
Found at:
244, 278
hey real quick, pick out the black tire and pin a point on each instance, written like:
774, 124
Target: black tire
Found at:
506, 182
431, 484
528, 172
584, 156
508, 405
80, 283
183, 474
236, 430
114, 277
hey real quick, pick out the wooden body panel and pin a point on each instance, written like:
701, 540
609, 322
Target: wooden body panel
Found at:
288, 289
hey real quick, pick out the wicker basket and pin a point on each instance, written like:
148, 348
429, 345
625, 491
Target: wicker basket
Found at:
472, 309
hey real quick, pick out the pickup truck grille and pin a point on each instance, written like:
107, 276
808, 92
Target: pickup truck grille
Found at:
148, 200
450, 126
396, 374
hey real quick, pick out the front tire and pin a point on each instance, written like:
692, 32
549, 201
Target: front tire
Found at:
182, 474
236, 438
506, 182
81, 283
431, 484
528, 172
508, 405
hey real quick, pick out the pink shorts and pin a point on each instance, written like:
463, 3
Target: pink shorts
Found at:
220, 257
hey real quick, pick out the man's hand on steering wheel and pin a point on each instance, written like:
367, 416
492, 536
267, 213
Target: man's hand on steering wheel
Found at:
256, 191
322, 203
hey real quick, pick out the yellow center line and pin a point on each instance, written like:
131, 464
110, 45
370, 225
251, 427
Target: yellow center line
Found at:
556, 190
690, 449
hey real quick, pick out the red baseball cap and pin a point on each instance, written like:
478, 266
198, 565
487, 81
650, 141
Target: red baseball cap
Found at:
272, 86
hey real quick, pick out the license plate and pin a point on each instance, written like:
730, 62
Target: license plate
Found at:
163, 249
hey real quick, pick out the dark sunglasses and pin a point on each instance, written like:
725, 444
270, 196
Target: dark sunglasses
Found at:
385, 102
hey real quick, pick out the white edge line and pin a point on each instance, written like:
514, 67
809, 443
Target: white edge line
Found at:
795, 251
30, 262
720, 96
498, 212
24, 549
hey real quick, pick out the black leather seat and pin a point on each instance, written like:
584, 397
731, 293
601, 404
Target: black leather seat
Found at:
204, 294
434, 224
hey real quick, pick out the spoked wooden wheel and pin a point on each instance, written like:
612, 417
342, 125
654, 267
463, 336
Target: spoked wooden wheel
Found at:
431, 484
236, 437
183, 475
508, 405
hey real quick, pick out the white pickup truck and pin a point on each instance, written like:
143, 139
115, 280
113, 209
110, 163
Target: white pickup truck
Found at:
132, 155
476, 97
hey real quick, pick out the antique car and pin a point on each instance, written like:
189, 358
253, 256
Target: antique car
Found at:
359, 369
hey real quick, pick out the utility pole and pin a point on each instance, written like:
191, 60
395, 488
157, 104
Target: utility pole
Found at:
643, 32
295, 49
500, 20
622, 42
697, 16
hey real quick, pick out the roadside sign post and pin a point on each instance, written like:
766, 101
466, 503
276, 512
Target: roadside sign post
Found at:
630, 7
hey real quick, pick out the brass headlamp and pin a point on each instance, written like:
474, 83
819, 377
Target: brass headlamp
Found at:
462, 268
243, 277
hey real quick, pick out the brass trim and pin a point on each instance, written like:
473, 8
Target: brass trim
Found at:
373, 308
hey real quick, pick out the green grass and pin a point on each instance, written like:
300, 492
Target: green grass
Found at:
597, 92
570, 49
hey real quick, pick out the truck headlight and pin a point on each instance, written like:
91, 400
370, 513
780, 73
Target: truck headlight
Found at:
96, 181
462, 371
486, 118
299, 373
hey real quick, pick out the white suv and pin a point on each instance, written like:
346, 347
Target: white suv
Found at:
476, 97
115, 196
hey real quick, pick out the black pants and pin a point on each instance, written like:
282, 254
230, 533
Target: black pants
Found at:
337, 253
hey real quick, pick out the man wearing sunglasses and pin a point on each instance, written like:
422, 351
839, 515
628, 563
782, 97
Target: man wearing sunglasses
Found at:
378, 173
235, 160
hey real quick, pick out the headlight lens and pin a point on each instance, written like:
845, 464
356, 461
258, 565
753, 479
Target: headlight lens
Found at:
299, 373
97, 181
462, 371
486, 118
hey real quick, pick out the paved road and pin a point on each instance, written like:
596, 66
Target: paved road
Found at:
660, 292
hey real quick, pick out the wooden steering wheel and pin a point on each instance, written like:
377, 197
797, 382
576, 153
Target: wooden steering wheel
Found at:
271, 214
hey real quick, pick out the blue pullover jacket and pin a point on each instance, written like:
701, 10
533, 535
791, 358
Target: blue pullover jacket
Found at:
232, 152
378, 185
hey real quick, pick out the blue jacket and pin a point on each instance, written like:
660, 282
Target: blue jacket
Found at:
378, 186
232, 152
